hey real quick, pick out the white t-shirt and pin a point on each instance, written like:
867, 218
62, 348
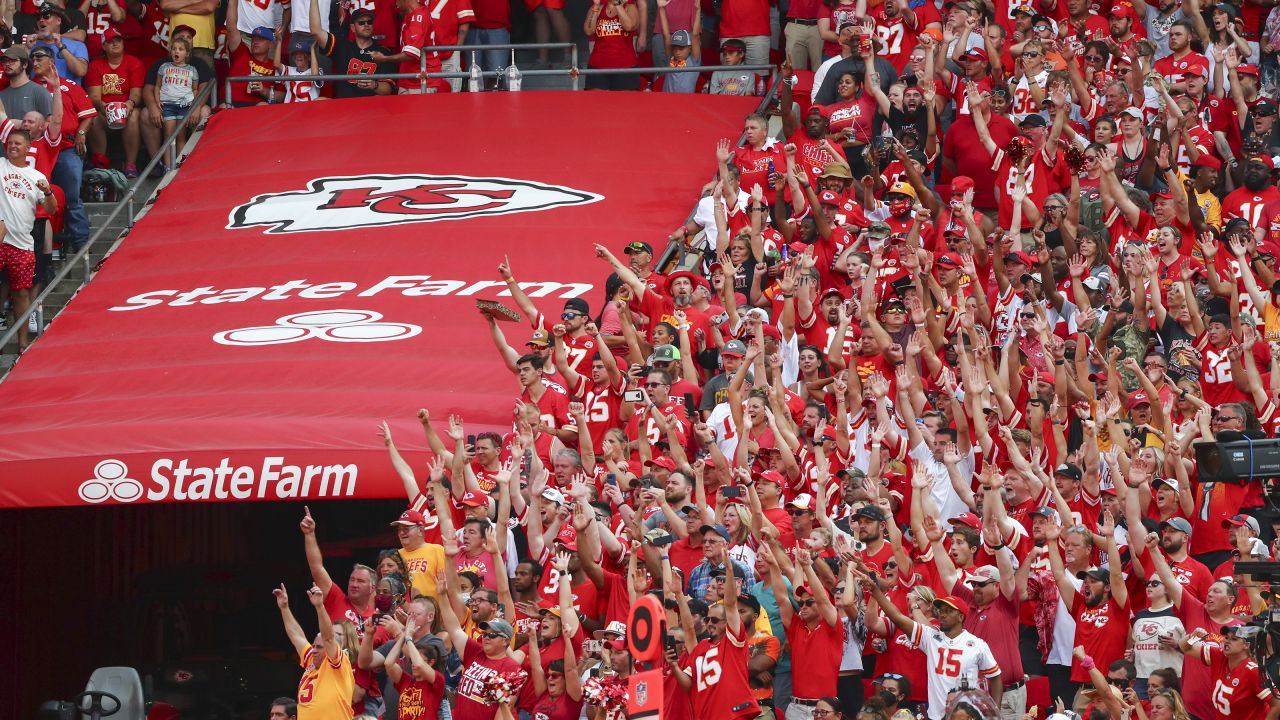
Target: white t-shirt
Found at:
18, 202
253, 15
949, 659
300, 18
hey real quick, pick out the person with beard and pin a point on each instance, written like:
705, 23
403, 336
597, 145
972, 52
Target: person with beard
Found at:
814, 633
896, 22
1120, 21
1181, 56
826, 79
579, 344
661, 307
1175, 543
1258, 201
1100, 605
916, 114
1159, 17
525, 598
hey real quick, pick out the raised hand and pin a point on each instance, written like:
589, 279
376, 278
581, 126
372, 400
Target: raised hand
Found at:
282, 596
315, 596
308, 525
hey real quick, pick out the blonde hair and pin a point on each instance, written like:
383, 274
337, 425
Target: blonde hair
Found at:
181, 42
744, 522
1176, 706
350, 643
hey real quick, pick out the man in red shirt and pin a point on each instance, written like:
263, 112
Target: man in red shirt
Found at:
814, 634
1100, 606
1258, 200
418, 31
718, 664
116, 77
255, 59
356, 604
1238, 690
482, 659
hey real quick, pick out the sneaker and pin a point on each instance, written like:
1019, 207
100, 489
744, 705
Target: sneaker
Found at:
131, 171
158, 170
36, 321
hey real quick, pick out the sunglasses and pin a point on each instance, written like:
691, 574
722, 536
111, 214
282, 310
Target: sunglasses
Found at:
714, 620
1040, 28
569, 316
655, 384
1121, 683
365, 21
797, 512
1030, 54
553, 675
823, 713
1093, 58
492, 636
806, 603
1028, 316
1154, 583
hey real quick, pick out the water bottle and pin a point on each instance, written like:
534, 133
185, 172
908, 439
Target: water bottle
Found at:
513, 74
475, 82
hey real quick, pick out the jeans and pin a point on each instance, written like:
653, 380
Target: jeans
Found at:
67, 172
490, 59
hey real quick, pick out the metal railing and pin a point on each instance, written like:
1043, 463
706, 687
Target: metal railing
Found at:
82, 255
573, 71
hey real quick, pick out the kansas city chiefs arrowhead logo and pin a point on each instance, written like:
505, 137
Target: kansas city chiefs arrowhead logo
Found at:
341, 203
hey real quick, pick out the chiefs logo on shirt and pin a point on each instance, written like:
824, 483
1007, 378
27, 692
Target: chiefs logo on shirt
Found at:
1096, 617
335, 203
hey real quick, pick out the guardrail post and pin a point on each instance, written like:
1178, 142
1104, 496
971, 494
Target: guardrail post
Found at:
573, 63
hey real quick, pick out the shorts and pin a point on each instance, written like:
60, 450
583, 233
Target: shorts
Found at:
19, 266
549, 4
173, 111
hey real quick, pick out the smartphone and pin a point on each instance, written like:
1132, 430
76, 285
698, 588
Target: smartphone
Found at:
664, 539
688, 405
646, 369
731, 491
633, 396
471, 441
611, 479
592, 646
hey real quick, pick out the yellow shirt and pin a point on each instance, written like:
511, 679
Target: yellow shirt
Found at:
423, 565
202, 24
325, 692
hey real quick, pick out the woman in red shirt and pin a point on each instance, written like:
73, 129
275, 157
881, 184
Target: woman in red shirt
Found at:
612, 25
851, 118
559, 692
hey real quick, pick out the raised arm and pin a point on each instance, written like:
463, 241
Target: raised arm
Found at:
315, 559
291, 627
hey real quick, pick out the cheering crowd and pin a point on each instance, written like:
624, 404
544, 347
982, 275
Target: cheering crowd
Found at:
910, 427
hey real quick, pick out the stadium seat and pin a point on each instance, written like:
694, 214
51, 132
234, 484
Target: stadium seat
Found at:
125, 685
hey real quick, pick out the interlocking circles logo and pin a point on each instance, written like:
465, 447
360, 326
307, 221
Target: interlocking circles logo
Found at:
343, 203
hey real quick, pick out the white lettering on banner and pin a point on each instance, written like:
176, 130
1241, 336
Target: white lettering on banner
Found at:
342, 203
406, 285
182, 481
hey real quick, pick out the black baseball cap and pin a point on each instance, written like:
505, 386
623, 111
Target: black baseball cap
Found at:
361, 14
636, 246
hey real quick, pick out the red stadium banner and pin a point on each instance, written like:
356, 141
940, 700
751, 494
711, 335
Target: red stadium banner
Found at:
314, 269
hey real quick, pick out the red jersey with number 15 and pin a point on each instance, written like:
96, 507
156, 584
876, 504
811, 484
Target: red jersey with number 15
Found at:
719, 670
1238, 693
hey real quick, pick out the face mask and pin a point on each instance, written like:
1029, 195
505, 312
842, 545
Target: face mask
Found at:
464, 597
383, 603
888, 697
900, 207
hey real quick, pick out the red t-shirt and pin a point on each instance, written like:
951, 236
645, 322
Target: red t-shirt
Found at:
243, 64
448, 16
754, 166
1102, 630
419, 699
720, 684
744, 18
116, 82
1036, 178
821, 648
857, 113
962, 145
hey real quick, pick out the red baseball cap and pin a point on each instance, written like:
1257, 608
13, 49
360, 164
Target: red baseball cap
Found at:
111, 34
663, 461
568, 537
950, 260
1138, 398
410, 517
475, 499
1124, 10
1196, 69
975, 53
1248, 69
1209, 161
961, 184
772, 476
829, 198
954, 602
967, 519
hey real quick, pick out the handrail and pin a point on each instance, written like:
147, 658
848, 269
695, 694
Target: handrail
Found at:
83, 253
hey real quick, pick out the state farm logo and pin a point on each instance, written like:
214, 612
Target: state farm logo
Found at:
110, 480
341, 203
331, 325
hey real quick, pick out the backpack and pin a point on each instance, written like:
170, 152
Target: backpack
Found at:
102, 185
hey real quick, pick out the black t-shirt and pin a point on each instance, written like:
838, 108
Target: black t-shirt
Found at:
351, 59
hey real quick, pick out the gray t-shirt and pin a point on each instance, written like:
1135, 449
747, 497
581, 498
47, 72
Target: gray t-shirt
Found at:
177, 83
19, 101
